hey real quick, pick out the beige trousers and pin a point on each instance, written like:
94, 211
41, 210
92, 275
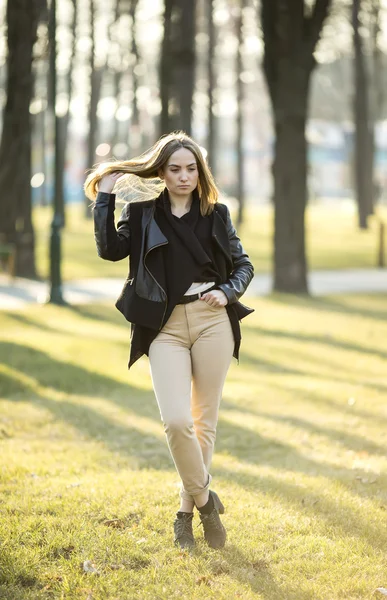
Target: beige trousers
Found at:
189, 360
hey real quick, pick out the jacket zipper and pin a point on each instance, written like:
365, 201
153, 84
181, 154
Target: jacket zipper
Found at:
155, 280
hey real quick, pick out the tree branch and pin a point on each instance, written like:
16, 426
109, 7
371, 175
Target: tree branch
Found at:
268, 20
314, 23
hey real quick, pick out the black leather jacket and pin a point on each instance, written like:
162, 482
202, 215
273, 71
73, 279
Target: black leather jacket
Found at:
137, 235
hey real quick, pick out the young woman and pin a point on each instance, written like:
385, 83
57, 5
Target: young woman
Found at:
187, 272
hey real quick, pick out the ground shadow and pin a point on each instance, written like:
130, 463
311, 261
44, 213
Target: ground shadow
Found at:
328, 304
63, 376
48, 372
267, 366
273, 367
95, 312
346, 439
254, 572
325, 402
339, 519
248, 447
22, 318
100, 312
325, 340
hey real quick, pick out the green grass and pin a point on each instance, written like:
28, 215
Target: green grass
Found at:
333, 241
300, 459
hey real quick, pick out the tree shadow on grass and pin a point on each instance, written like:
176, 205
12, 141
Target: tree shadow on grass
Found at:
73, 379
97, 313
325, 340
100, 312
249, 447
346, 439
245, 444
329, 304
127, 440
338, 517
306, 360
147, 450
267, 366
12, 388
121, 437
253, 572
22, 319
274, 367
341, 405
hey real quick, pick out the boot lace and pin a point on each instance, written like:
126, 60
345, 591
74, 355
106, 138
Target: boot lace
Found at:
183, 527
210, 521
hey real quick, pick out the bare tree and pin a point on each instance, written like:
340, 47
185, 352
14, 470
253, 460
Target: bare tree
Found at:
15, 148
135, 52
291, 31
377, 56
63, 120
177, 65
377, 90
240, 121
95, 91
211, 85
364, 144
117, 71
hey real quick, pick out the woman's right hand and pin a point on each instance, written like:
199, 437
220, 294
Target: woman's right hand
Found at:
108, 182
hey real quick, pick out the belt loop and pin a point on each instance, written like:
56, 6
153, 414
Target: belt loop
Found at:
200, 295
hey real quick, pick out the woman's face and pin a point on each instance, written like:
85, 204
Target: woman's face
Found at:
181, 173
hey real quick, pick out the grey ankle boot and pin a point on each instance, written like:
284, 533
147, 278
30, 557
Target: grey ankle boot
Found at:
214, 531
183, 531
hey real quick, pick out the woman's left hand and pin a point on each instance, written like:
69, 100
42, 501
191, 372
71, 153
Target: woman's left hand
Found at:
215, 298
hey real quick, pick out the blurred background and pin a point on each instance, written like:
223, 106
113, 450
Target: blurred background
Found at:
288, 99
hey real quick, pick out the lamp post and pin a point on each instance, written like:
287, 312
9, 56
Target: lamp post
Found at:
55, 295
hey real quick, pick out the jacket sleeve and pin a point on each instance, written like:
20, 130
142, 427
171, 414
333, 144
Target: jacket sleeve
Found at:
243, 270
112, 244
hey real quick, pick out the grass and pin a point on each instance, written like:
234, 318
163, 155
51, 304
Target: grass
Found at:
333, 241
300, 460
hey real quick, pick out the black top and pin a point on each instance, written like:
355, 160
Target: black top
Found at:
188, 256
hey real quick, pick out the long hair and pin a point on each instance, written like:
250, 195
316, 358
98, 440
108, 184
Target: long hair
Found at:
143, 181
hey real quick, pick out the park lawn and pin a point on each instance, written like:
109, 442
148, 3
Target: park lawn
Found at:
333, 241
300, 459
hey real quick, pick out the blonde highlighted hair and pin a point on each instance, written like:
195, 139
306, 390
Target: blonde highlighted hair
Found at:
143, 182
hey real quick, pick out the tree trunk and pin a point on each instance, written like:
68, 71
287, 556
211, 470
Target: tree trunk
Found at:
165, 67
240, 99
135, 120
15, 148
290, 198
116, 78
177, 67
377, 56
363, 140
290, 38
95, 90
62, 124
211, 85
377, 91
39, 123
63, 121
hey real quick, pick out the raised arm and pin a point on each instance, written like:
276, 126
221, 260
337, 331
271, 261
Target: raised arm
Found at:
112, 243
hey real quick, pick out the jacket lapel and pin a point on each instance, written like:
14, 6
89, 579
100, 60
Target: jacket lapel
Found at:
220, 236
153, 235
147, 285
